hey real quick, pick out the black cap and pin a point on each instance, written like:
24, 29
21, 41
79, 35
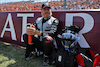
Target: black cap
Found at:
46, 5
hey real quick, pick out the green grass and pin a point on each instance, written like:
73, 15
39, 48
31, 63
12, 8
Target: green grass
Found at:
13, 56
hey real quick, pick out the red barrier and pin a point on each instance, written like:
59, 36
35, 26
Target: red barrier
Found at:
13, 25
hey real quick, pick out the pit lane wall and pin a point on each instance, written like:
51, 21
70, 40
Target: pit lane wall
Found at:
13, 25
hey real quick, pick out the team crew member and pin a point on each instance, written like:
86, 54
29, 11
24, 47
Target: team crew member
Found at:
43, 32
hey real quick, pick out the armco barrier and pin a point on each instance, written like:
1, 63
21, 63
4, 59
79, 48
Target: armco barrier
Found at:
13, 25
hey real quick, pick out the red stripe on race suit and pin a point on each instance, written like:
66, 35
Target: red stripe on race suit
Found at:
80, 60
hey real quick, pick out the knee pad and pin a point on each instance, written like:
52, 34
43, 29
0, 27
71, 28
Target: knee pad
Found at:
48, 40
48, 44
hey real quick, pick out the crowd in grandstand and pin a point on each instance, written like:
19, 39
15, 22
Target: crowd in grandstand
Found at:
56, 5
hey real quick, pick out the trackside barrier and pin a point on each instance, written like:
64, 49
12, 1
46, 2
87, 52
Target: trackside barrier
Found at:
13, 25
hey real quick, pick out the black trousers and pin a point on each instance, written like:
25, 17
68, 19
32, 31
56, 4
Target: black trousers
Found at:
46, 45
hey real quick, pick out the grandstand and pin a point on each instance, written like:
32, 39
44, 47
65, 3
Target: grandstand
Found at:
56, 5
